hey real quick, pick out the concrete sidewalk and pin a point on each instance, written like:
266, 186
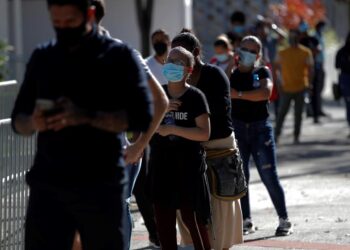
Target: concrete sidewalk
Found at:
316, 177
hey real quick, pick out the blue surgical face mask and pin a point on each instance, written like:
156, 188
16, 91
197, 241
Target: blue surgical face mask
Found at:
238, 29
221, 57
173, 72
246, 58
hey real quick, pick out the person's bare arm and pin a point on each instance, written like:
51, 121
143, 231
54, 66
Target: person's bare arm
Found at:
199, 133
134, 151
261, 94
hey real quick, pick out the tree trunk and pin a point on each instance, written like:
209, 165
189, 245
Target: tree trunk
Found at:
144, 10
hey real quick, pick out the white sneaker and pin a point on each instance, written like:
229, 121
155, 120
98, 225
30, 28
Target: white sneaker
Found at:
284, 228
248, 226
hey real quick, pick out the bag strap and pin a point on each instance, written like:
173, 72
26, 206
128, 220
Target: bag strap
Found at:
218, 153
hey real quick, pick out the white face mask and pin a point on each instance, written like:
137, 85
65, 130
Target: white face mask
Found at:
246, 58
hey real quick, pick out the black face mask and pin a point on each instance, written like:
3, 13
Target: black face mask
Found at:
68, 37
160, 48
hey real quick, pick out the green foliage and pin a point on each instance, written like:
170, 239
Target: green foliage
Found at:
4, 49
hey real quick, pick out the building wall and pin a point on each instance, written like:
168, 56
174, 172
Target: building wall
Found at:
4, 35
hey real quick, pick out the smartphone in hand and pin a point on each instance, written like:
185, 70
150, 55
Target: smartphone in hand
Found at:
48, 107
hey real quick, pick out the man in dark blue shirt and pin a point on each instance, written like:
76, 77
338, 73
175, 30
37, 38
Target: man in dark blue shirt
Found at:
79, 92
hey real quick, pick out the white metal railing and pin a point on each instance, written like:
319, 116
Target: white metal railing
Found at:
7, 83
16, 156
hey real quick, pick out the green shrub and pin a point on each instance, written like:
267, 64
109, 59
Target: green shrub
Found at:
4, 49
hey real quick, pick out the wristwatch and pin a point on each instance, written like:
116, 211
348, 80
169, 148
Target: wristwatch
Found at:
240, 94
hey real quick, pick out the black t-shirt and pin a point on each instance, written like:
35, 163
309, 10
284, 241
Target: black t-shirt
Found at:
175, 162
100, 75
193, 104
244, 110
310, 42
215, 85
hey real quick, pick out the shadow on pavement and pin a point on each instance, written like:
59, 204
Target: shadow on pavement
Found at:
261, 238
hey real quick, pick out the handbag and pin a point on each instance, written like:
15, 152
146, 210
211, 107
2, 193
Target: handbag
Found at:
225, 174
336, 91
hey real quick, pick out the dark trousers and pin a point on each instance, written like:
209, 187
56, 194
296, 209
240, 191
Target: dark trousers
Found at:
256, 139
166, 224
54, 215
143, 202
344, 81
285, 101
316, 94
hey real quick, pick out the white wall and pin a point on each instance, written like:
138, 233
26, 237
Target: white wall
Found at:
121, 18
36, 25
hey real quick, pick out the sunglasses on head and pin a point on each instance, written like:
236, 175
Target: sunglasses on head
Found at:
248, 50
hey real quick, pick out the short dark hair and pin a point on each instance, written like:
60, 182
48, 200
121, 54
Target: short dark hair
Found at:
83, 5
320, 24
160, 31
189, 40
238, 16
100, 9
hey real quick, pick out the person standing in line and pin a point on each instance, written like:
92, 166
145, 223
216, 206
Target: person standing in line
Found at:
224, 57
311, 96
77, 181
271, 37
134, 151
226, 229
161, 44
342, 63
295, 64
251, 88
319, 79
177, 168
239, 29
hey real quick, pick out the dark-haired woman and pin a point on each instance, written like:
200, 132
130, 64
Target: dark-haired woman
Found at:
227, 216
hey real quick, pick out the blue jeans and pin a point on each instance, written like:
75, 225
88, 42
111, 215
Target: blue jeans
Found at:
132, 171
344, 81
257, 139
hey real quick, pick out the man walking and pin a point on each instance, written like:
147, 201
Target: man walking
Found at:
79, 92
295, 64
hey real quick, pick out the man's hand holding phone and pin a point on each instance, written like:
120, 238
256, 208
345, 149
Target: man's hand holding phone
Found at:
50, 115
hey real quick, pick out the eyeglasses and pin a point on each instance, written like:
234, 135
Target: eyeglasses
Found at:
249, 50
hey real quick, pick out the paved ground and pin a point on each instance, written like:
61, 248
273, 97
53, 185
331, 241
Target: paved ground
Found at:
316, 178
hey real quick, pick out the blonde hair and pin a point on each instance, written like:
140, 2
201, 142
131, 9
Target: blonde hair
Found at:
182, 50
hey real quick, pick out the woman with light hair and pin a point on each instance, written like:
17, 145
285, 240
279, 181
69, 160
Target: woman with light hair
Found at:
177, 167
